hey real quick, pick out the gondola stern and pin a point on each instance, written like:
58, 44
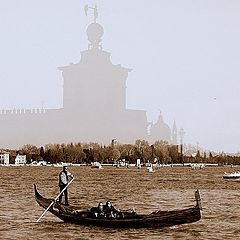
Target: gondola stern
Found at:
198, 199
42, 202
38, 196
36, 193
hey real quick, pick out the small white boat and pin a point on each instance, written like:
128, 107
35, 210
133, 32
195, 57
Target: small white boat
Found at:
38, 163
58, 164
197, 166
96, 165
233, 175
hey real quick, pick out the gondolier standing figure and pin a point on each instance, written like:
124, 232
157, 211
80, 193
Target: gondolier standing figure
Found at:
63, 181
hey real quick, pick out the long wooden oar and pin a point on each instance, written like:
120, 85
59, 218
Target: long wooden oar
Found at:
54, 200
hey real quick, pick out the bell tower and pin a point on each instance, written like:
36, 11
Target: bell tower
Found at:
174, 133
94, 83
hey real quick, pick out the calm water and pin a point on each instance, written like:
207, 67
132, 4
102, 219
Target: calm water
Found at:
165, 189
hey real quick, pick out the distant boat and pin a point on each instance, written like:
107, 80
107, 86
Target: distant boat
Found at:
233, 175
40, 163
150, 168
59, 164
197, 166
96, 165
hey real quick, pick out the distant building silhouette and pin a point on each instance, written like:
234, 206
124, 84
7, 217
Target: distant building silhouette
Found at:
94, 106
174, 133
160, 131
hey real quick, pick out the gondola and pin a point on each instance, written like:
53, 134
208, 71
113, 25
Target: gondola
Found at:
125, 219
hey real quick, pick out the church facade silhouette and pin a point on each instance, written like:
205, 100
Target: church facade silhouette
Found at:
94, 107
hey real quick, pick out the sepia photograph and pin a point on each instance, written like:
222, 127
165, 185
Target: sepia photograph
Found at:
119, 119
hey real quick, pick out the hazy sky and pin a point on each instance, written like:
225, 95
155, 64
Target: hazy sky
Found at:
185, 57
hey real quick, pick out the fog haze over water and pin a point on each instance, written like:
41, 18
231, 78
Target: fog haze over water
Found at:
184, 57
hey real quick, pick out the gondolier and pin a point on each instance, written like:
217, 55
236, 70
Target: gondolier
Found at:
63, 181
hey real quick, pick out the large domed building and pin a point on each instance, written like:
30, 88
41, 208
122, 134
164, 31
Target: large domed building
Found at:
160, 131
94, 106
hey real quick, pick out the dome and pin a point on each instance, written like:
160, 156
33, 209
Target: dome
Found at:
95, 32
160, 130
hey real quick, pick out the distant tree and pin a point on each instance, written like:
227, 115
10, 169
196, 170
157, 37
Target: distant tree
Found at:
89, 155
47, 156
55, 153
198, 154
142, 150
173, 153
162, 151
31, 152
42, 153
28, 148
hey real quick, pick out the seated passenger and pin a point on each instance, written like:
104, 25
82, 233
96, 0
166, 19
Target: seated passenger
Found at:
110, 211
98, 211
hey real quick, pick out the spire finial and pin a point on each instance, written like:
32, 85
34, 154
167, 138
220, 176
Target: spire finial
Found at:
95, 11
94, 30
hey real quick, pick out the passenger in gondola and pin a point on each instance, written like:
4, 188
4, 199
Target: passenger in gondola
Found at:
98, 211
110, 211
63, 181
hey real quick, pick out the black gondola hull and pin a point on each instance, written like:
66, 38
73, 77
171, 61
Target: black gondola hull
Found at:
156, 219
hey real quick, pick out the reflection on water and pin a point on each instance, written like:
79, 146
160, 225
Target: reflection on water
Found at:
167, 188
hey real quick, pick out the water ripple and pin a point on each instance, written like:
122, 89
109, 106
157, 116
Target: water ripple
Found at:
167, 188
